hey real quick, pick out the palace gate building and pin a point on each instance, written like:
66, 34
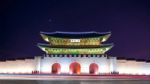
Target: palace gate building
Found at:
75, 53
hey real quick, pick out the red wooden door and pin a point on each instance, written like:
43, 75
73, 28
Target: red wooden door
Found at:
56, 68
75, 68
93, 69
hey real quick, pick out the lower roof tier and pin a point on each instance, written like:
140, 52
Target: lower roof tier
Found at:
97, 50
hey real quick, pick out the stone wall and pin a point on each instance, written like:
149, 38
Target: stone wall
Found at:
17, 66
102, 62
133, 67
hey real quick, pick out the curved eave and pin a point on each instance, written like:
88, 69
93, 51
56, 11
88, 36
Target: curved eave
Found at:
105, 37
46, 48
47, 37
76, 47
75, 35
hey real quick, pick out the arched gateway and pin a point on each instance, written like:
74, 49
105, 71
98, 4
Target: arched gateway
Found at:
75, 68
93, 68
56, 68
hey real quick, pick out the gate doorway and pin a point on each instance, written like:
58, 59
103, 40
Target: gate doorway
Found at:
75, 68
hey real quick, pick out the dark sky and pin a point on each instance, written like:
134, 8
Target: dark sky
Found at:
22, 20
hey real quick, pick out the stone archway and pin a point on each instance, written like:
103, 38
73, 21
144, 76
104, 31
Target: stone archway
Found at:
93, 68
56, 68
75, 68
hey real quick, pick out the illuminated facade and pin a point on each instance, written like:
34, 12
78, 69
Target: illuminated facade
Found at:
75, 53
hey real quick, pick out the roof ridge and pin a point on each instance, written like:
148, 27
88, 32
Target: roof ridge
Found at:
64, 32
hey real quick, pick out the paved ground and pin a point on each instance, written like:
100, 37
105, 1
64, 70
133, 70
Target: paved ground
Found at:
73, 77
74, 81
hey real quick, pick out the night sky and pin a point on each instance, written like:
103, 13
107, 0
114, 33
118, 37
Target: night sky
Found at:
22, 20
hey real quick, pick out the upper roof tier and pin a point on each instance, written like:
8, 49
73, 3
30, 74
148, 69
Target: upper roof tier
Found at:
75, 34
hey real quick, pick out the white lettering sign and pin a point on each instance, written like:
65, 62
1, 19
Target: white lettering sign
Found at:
74, 40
